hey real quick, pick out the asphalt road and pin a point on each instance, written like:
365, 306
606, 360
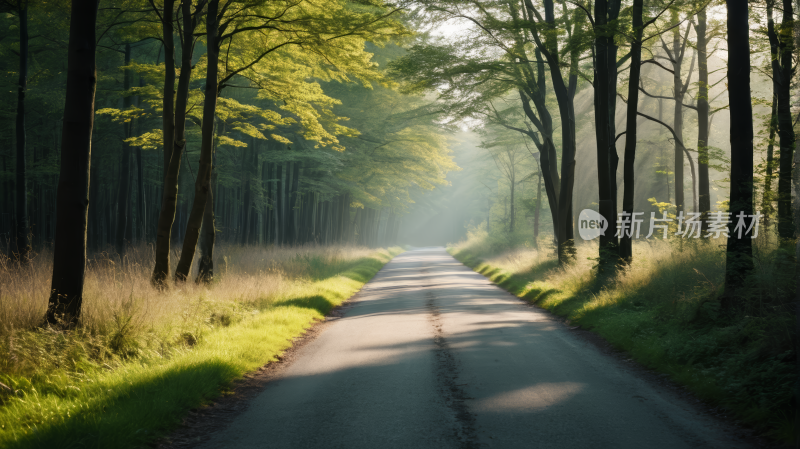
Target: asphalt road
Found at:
432, 355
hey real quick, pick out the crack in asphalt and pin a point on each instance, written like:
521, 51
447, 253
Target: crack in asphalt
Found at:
446, 367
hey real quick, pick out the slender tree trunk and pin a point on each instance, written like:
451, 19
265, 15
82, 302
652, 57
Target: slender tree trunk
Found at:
123, 194
141, 212
203, 182
254, 181
488, 215
246, 200
176, 125
279, 215
704, 191
21, 238
626, 240
169, 200
677, 123
739, 250
538, 209
566, 243
140, 197
782, 42
205, 272
376, 227
344, 219
512, 212
766, 201
265, 176
292, 211
95, 232
69, 253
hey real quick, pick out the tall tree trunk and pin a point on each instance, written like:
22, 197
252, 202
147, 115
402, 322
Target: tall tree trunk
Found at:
123, 194
266, 176
203, 182
549, 162
95, 231
292, 211
21, 238
344, 218
141, 217
246, 200
677, 123
739, 250
279, 206
512, 213
171, 167
141, 212
254, 181
782, 46
564, 97
704, 191
205, 272
69, 253
604, 96
626, 240
538, 209
174, 128
766, 201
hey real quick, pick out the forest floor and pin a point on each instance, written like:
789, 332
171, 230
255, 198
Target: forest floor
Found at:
141, 358
430, 354
664, 313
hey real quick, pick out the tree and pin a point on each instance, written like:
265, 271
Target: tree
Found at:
739, 250
174, 122
676, 56
203, 183
508, 155
124, 196
270, 34
605, 67
21, 237
781, 41
626, 240
529, 45
69, 253
703, 114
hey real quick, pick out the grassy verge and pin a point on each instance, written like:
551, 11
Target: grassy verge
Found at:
92, 395
665, 312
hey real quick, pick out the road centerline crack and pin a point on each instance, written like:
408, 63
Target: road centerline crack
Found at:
446, 368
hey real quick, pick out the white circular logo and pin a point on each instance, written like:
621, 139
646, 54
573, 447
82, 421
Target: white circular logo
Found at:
591, 224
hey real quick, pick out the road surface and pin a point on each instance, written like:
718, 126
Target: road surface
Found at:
433, 355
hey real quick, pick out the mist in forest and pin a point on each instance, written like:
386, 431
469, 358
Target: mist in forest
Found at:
445, 214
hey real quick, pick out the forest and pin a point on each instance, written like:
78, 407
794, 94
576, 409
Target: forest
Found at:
173, 169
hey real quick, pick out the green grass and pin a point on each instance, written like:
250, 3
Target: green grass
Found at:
665, 313
138, 400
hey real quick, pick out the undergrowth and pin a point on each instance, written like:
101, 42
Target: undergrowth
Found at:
141, 358
664, 310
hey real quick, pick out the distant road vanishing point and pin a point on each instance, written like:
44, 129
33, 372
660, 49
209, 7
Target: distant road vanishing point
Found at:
432, 355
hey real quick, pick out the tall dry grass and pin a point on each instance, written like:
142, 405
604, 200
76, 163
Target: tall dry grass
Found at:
124, 317
684, 272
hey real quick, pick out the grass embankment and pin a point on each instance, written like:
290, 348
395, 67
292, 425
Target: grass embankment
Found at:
665, 312
141, 358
